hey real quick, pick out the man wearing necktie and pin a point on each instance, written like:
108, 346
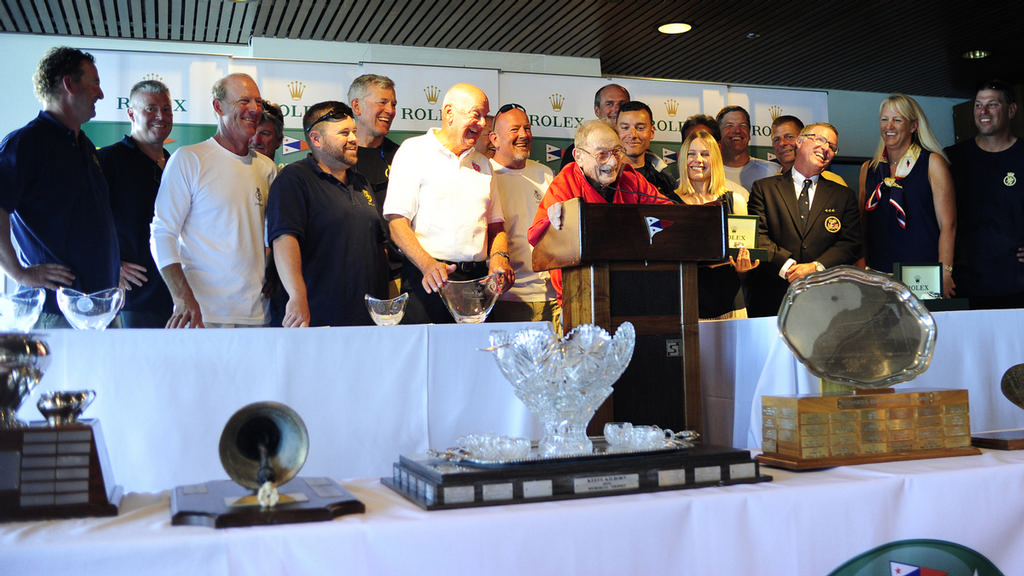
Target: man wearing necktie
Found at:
806, 223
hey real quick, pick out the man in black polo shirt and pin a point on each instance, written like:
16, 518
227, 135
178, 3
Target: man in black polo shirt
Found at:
133, 168
53, 196
326, 228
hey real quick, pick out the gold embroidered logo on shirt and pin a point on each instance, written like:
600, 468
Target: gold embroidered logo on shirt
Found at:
1010, 179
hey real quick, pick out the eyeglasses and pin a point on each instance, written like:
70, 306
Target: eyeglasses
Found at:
604, 155
337, 113
508, 107
823, 141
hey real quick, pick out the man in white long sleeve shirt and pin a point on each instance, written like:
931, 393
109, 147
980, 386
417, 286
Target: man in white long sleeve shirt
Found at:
208, 225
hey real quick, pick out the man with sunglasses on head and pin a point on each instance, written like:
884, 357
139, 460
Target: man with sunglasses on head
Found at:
600, 175
325, 227
208, 227
442, 207
270, 133
806, 222
522, 183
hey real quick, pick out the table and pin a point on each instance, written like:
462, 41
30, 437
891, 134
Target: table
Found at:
801, 523
366, 394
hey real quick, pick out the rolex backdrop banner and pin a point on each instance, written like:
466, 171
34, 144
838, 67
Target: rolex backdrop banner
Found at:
765, 105
295, 86
187, 76
557, 105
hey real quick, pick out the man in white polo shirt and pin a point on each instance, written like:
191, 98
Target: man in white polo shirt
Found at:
443, 209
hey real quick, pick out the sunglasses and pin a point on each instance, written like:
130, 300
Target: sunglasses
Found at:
335, 114
508, 107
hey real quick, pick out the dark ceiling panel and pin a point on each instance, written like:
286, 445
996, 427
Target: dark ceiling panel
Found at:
336, 21
871, 45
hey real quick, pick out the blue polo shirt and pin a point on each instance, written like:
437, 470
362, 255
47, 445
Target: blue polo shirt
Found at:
341, 237
52, 186
134, 180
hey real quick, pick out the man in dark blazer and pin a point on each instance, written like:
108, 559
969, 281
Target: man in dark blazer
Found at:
800, 240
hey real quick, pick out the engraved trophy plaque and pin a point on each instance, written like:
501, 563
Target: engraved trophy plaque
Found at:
866, 332
56, 469
262, 448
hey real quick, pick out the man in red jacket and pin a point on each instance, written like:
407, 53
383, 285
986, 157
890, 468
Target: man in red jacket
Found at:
599, 175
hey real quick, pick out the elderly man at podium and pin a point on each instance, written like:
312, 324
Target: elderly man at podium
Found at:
599, 175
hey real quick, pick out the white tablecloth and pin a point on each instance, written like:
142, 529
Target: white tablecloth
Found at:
369, 394
806, 523
366, 394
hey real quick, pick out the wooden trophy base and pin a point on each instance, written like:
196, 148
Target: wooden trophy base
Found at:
820, 431
225, 504
51, 472
1004, 440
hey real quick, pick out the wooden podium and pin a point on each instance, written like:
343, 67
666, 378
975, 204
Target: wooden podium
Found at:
638, 263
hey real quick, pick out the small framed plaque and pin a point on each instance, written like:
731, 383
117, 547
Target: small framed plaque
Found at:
923, 279
742, 233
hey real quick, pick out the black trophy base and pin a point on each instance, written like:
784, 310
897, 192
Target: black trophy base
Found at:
51, 472
436, 484
1005, 440
225, 504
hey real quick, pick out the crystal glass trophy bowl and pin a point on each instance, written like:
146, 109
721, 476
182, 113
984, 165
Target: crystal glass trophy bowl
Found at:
23, 359
564, 381
90, 311
62, 407
470, 301
19, 310
386, 312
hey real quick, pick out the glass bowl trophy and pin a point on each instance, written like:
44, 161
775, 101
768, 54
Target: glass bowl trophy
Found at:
56, 469
861, 333
262, 448
470, 301
562, 382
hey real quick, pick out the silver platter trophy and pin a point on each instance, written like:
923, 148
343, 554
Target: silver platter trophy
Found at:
56, 469
262, 448
861, 333
562, 382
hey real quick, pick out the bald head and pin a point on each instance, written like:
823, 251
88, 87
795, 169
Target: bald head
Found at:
463, 117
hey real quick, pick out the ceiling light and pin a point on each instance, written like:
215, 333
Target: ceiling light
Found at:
674, 28
976, 54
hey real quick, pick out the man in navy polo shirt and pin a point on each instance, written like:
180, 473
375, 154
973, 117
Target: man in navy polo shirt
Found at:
326, 228
53, 196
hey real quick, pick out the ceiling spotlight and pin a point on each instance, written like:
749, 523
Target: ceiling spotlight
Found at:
674, 28
976, 54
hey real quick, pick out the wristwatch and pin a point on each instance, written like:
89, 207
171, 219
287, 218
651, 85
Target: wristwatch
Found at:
819, 266
947, 268
505, 254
